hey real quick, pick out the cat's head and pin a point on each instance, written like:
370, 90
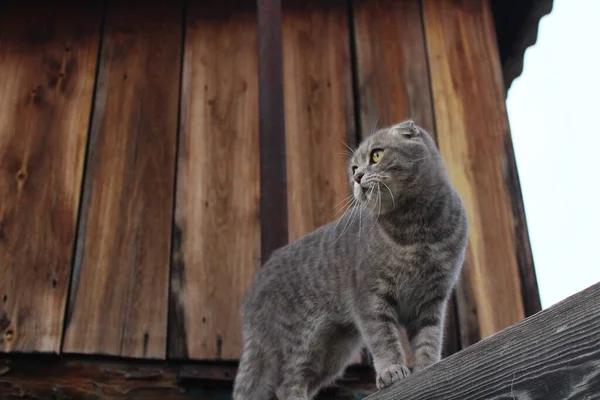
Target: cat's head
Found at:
392, 165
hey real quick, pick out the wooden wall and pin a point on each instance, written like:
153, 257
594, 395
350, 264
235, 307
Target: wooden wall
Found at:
153, 153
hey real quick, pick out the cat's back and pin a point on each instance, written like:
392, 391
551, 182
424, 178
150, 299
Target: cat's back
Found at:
308, 270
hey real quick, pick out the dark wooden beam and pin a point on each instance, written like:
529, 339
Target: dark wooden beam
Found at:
45, 377
554, 354
273, 187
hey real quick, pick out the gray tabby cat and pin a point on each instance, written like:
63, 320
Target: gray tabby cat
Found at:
388, 263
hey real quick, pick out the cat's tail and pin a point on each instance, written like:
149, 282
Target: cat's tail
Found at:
252, 381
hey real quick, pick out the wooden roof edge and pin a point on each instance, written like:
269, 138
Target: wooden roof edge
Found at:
551, 355
517, 24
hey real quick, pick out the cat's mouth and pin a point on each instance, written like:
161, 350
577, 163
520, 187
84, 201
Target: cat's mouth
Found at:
368, 190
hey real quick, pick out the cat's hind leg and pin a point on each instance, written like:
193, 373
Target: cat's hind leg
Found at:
253, 380
318, 361
294, 387
297, 372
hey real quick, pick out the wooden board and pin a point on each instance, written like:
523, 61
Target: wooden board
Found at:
85, 379
392, 70
393, 82
217, 227
319, 117
90, 378
118, 303
47, 68
553, 355
472, 129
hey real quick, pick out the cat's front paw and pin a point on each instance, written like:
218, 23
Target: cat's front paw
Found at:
391, 374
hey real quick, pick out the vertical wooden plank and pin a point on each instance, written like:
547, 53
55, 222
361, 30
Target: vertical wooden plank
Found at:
393, 81
472, 129
217, 227
392, 65
318, 110
273, 197
118, 303
48, 58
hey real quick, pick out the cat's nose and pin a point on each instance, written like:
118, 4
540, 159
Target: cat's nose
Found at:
358, 176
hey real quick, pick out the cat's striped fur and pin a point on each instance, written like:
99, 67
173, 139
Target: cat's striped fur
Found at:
389, 262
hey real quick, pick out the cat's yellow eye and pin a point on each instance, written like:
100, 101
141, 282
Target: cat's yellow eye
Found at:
376, 156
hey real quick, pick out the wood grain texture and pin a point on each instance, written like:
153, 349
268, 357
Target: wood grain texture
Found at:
119, 294
466, 308
393, 75
553, 355
217, 227
319, 116
86, 379
47, 68
472, 127
393, 81
44, 377
451, 340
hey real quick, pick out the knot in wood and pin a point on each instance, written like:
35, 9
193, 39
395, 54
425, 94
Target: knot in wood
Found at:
9, 335
21, 175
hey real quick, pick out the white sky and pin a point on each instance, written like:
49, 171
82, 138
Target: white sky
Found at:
554, 112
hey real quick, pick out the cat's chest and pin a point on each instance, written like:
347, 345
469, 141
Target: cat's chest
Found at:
414, 269
408, 259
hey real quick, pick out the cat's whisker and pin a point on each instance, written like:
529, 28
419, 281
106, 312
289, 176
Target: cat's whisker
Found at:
342, 217
362, 207
359, 220
342, 204
391, 195
345, 199
350, 219
349, 148
374, 126
369, 196
345, 153
374, 206
343, 208
421, 159
379, 198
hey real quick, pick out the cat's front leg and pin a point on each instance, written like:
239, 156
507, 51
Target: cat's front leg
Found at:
379, 326
425, 334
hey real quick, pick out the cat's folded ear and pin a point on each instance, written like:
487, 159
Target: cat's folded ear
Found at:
407, 129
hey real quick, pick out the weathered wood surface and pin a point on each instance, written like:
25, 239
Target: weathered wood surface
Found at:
75, 378
90, 380
273, 176
472, 131
47, 69
86, 379
118, 303
553, 355
393, 75
217, 227
393, 83
319, 115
